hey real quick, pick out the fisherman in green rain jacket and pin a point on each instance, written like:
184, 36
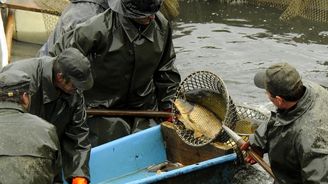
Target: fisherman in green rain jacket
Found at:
296, 136
29, 146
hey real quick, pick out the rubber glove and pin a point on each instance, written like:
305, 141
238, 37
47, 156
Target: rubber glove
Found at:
170, 118
79, 180
249, 159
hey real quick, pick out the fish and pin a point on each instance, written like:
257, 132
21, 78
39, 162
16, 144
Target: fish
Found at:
210, 99
164, 167
197, 118
245, 126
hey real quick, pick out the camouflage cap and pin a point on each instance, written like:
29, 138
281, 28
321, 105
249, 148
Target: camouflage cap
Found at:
13, 81
279, 79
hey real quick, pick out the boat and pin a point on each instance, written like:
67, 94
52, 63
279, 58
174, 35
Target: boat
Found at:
144, 157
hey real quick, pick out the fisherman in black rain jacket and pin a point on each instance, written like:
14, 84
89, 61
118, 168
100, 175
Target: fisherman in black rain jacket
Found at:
76, 12
132, 58
29, 151
296, 136
56, 99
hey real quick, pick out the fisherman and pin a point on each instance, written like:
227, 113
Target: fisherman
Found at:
79, 11
29, 151
56, 88
76, 12
296, 136
133, 64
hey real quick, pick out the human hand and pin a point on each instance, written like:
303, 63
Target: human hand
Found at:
79, 180
249, 159
169, 118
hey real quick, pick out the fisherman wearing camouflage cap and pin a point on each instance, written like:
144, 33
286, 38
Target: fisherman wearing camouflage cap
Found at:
296, 136
133, 64
30, 150
56, 96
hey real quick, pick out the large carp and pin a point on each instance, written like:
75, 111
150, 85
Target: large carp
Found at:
210, 99
198, 119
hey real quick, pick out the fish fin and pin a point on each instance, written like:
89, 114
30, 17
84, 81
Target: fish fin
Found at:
197, 134
185, 122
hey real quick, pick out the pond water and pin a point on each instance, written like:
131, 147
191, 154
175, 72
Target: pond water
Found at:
234, 41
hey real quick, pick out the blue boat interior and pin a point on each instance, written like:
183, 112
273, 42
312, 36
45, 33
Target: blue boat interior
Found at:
126, 160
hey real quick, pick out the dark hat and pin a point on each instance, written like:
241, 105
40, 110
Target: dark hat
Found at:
76, 67
279, 79
135, 8
13, 82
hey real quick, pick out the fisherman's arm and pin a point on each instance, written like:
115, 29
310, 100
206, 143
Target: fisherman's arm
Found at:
167, 77
76, 145
258, 141
74, 14
313, 158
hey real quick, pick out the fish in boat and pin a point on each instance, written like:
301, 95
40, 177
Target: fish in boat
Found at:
164, 167
198, 119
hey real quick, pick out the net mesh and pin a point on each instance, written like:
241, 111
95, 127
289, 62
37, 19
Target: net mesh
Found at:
55, 5
254, 119
250, 119
315, 10
170, 9
50, 20
215, 99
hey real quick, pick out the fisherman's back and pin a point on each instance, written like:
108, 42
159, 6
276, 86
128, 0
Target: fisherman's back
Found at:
29, 151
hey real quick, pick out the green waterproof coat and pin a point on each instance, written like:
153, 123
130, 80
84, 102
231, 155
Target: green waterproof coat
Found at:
29, 151
132, 68
297, 140
66, 112
76, 12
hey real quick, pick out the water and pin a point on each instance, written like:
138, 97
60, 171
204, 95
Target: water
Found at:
234, 41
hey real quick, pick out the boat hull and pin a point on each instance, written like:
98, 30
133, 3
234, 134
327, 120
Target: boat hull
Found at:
126, 161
